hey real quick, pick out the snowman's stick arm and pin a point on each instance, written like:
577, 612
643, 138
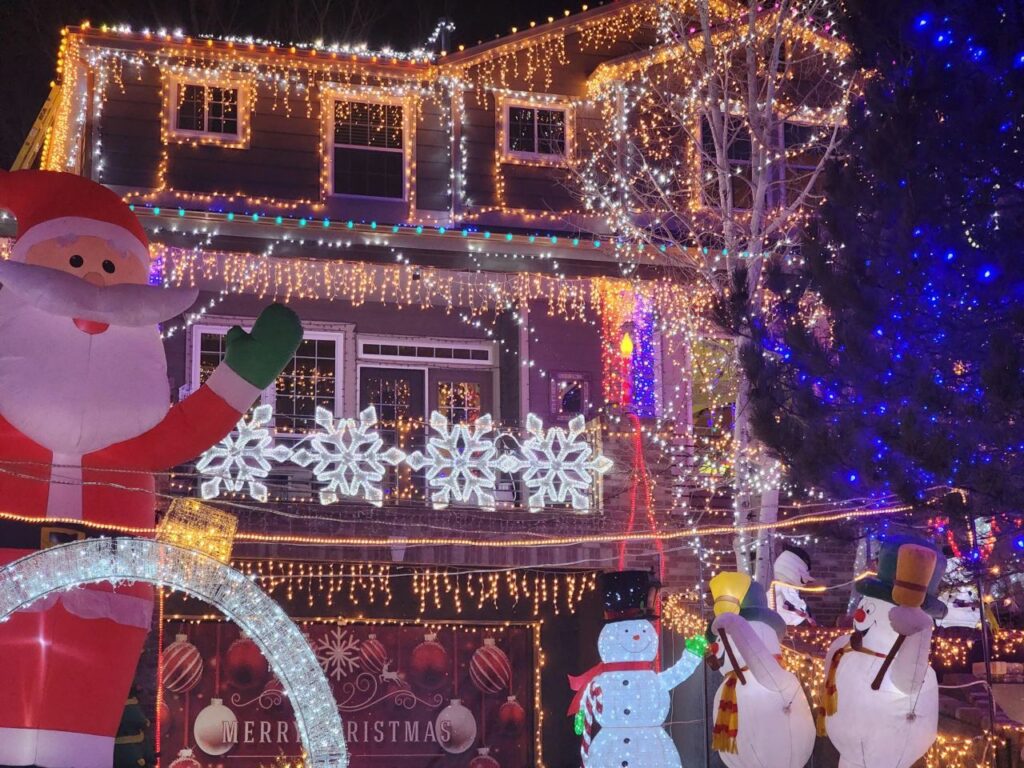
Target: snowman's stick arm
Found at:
877, 682
732, 656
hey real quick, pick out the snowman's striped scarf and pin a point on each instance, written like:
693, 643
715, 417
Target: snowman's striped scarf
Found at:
727, 718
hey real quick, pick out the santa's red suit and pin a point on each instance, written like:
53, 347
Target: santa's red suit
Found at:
84, 421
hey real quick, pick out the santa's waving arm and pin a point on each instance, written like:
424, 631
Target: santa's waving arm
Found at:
251, 363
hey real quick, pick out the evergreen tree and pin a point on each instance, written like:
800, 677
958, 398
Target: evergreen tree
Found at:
914, 379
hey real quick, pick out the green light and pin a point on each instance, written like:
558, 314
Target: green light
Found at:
156, 211
373, 224
231, 217
327, 223
278, 220
302, 222
419, 229
181, 211
349, 224
255, 217
508, 235
440, 230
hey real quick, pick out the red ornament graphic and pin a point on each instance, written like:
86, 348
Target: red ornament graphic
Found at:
245, 667
484, 759
428, 666
511, 717
183, 666
374, 654
490, 669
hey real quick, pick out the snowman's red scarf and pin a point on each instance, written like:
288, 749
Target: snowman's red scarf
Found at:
584, 686
830, 693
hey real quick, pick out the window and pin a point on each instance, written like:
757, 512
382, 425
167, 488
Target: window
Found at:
530, 133
367, 150
208, 112
459, 401
309, 380
738, 152
570, 395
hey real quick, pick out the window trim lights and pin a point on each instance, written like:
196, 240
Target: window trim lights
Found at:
172, 133
504, 102
367, 95
339, 333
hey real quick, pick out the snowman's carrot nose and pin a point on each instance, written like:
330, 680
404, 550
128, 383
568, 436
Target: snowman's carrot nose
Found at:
859, 615
636, 637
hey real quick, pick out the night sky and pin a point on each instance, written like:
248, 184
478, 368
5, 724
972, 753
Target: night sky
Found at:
30, 33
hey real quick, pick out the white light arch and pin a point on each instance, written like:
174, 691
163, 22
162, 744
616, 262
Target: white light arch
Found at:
153, 562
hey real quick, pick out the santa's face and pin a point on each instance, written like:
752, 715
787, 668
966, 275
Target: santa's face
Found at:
82, 365
91, 258
871, 624
628, 641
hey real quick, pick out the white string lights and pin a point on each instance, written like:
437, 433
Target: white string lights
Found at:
348, 456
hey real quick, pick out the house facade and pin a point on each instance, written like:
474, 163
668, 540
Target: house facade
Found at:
463, 312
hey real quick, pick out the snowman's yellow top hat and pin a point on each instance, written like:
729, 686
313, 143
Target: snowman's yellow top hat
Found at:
728, 590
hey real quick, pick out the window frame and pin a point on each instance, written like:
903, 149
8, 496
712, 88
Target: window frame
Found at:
367, 96
556, 378
428, 365
220, 324
507, 102
237, 140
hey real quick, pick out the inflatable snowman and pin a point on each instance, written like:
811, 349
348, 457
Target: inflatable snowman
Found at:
894, 725
762, 718
624, 698
792, 569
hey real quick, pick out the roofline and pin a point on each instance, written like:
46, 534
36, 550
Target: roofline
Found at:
470, 53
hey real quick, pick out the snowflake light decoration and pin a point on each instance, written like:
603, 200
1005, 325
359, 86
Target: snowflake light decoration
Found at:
348, 456
242, 458
557, 463
460, 462
338, 653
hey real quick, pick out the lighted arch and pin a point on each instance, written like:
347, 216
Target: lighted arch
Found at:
153, 562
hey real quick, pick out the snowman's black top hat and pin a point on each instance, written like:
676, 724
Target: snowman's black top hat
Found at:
628, 595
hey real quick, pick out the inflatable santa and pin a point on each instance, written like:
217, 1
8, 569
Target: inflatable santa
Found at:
84, 421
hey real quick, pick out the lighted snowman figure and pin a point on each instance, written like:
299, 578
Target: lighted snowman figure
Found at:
792, 570
888, 722
624, 697
762, 718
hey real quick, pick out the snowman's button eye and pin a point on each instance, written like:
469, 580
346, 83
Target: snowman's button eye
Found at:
625, 682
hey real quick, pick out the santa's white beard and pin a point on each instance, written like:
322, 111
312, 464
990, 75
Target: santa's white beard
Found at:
74, 392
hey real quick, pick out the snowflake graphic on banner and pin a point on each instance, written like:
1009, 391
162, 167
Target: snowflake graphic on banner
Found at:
459, 462
338, 653
348, 456
242, 458
557, 464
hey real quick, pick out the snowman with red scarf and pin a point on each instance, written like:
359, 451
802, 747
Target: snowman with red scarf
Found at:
625, 698
85, 419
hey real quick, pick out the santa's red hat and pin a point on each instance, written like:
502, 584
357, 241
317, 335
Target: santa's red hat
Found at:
50, 204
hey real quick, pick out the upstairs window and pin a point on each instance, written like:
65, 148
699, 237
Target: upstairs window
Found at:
211, 113
535, 133
368, 149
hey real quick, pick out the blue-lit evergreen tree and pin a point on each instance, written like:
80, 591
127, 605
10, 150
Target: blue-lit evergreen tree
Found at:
916, 379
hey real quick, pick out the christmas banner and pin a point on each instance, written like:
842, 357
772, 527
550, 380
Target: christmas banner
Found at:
410, 696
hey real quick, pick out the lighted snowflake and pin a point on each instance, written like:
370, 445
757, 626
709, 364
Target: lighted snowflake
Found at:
460, 462
242, 458
338, 653
558, 464
348, 456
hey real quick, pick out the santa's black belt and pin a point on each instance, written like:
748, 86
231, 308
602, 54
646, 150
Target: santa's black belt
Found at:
15, 534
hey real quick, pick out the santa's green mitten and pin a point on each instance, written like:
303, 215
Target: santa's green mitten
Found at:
259, 356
